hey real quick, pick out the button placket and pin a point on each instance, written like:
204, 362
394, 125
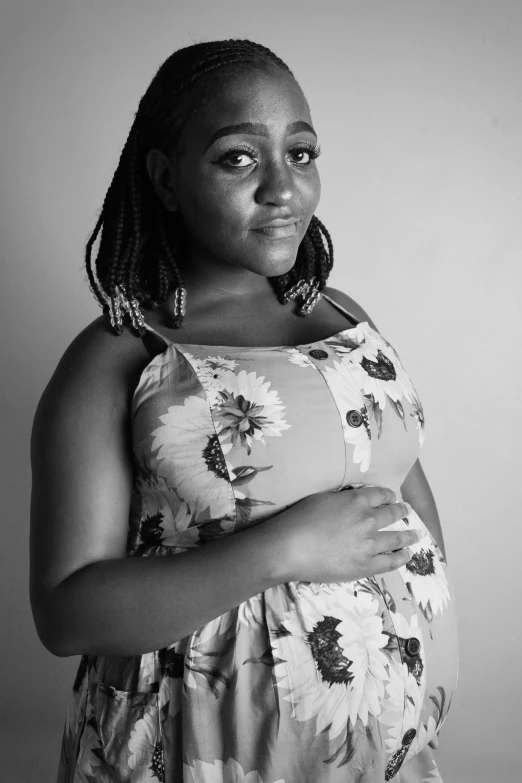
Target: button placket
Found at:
354, 418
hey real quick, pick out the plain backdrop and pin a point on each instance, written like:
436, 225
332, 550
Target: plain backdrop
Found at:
418, 109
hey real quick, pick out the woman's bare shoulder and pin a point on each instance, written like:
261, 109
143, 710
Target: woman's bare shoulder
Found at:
349, 304
98, 364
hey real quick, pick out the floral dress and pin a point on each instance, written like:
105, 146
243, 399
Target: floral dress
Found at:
305, 682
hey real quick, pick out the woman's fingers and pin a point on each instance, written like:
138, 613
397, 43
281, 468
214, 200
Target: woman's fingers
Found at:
434, 743
392, 540
383, 516
376, 496
381, 564
391, 550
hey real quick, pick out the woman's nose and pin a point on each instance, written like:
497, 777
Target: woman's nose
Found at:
276, 186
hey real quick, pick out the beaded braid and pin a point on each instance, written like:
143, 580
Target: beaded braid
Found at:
136, 260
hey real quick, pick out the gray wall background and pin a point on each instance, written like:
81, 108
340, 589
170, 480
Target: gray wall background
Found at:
418, 107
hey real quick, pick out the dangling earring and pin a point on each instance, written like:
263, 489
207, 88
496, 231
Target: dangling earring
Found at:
299, 289
312, 296
115, 308
118, 304
136, 316
180, 307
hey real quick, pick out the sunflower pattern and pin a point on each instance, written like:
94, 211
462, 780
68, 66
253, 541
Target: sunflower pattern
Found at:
336, 643
305, 682
249, 409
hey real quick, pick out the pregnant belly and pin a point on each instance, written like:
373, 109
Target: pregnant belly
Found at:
376, 658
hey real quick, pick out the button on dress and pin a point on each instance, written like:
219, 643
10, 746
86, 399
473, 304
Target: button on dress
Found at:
305, 682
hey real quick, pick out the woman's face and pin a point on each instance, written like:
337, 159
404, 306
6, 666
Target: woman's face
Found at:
244, 176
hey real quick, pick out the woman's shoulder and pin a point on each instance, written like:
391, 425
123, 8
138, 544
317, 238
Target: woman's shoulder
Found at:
353, 307
97, 367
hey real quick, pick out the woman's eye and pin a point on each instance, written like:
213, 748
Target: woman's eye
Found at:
301, 156
239, 160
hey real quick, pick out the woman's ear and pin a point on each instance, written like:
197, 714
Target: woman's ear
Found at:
162, 177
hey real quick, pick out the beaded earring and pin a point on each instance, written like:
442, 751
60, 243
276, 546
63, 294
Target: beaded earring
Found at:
300, 288
312, 296
180, 307
118, 304
308, 290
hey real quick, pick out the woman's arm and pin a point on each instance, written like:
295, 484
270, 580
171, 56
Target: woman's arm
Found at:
87, 596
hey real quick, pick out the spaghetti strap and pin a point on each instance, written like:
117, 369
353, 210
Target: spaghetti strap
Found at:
158, 334
342, 309
154, 342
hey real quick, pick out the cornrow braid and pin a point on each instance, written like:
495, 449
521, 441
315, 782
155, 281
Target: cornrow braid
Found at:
137, 259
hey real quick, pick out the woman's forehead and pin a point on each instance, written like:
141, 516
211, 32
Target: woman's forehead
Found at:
269, 97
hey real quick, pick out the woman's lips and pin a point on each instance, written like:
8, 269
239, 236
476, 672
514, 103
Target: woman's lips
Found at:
278, 232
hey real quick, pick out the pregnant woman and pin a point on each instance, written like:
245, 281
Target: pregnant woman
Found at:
239, 617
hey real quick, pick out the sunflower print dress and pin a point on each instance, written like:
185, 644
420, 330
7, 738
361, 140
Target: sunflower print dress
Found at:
305, 682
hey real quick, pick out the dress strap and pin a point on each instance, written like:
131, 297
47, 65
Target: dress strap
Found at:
352, 318
151, 338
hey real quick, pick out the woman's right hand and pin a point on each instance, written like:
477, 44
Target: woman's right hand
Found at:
338, 536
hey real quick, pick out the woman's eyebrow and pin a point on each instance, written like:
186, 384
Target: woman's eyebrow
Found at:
257, 129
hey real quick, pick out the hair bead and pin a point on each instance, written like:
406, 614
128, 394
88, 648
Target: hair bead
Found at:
180, 299
301, 287
311, 300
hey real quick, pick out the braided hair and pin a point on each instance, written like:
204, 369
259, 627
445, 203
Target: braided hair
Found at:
136, 261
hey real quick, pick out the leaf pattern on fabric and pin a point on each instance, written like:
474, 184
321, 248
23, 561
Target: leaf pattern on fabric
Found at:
245, 506
399, 410
210, 658
418, 415
374, 410
91, 756
243, 474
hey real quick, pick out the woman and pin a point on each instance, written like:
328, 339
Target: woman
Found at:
298, 633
